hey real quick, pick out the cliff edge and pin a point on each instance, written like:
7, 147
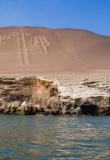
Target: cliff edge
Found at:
31, 95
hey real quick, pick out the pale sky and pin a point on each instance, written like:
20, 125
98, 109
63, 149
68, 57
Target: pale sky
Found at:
93, 15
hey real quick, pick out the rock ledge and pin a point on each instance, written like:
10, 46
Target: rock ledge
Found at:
30, 95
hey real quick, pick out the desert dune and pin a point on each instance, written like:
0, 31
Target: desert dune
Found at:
43, 50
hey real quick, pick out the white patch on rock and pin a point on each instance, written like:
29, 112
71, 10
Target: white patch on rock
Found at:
24, 104
82, 91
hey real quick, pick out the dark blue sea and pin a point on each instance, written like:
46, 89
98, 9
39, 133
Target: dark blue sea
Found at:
54, 138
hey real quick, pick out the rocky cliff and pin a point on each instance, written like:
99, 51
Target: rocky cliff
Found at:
35, 96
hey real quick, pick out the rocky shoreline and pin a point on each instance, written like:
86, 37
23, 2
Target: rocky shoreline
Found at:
31, 95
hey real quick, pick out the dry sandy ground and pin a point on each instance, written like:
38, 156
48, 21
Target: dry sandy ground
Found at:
75, 78
42, 50
76, 85
67, 56
67, 78
82, 85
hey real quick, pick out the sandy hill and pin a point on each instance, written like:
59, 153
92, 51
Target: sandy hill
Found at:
38, 49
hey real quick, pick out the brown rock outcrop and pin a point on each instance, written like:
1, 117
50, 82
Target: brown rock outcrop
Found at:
33, 96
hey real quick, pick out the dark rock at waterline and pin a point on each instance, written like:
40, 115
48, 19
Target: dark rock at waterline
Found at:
33, 96
89, 109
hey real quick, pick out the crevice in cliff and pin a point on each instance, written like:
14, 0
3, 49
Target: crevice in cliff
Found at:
89, 109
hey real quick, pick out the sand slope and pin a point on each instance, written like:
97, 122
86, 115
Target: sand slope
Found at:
38, 49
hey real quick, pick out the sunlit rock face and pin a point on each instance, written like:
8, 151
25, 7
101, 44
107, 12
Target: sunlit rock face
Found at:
38, 49
30, 95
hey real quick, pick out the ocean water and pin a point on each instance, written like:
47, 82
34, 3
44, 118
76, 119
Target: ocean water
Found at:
54, 138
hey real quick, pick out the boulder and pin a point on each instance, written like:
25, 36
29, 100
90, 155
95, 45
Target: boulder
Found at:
67, 106
3, 107
22, 109
39, 108
6, 111
54, 112
27, 110
76, 111
15, 105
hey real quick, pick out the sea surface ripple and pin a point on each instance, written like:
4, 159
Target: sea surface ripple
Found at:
54, 138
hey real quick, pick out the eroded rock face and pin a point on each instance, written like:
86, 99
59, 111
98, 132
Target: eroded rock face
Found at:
33, 96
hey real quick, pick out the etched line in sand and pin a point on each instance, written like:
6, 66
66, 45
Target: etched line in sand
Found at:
42, 42
39, 41
20, 51
15, 33
35, 41
10, 52
2, 42
23, 56
3, 39
24, 60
